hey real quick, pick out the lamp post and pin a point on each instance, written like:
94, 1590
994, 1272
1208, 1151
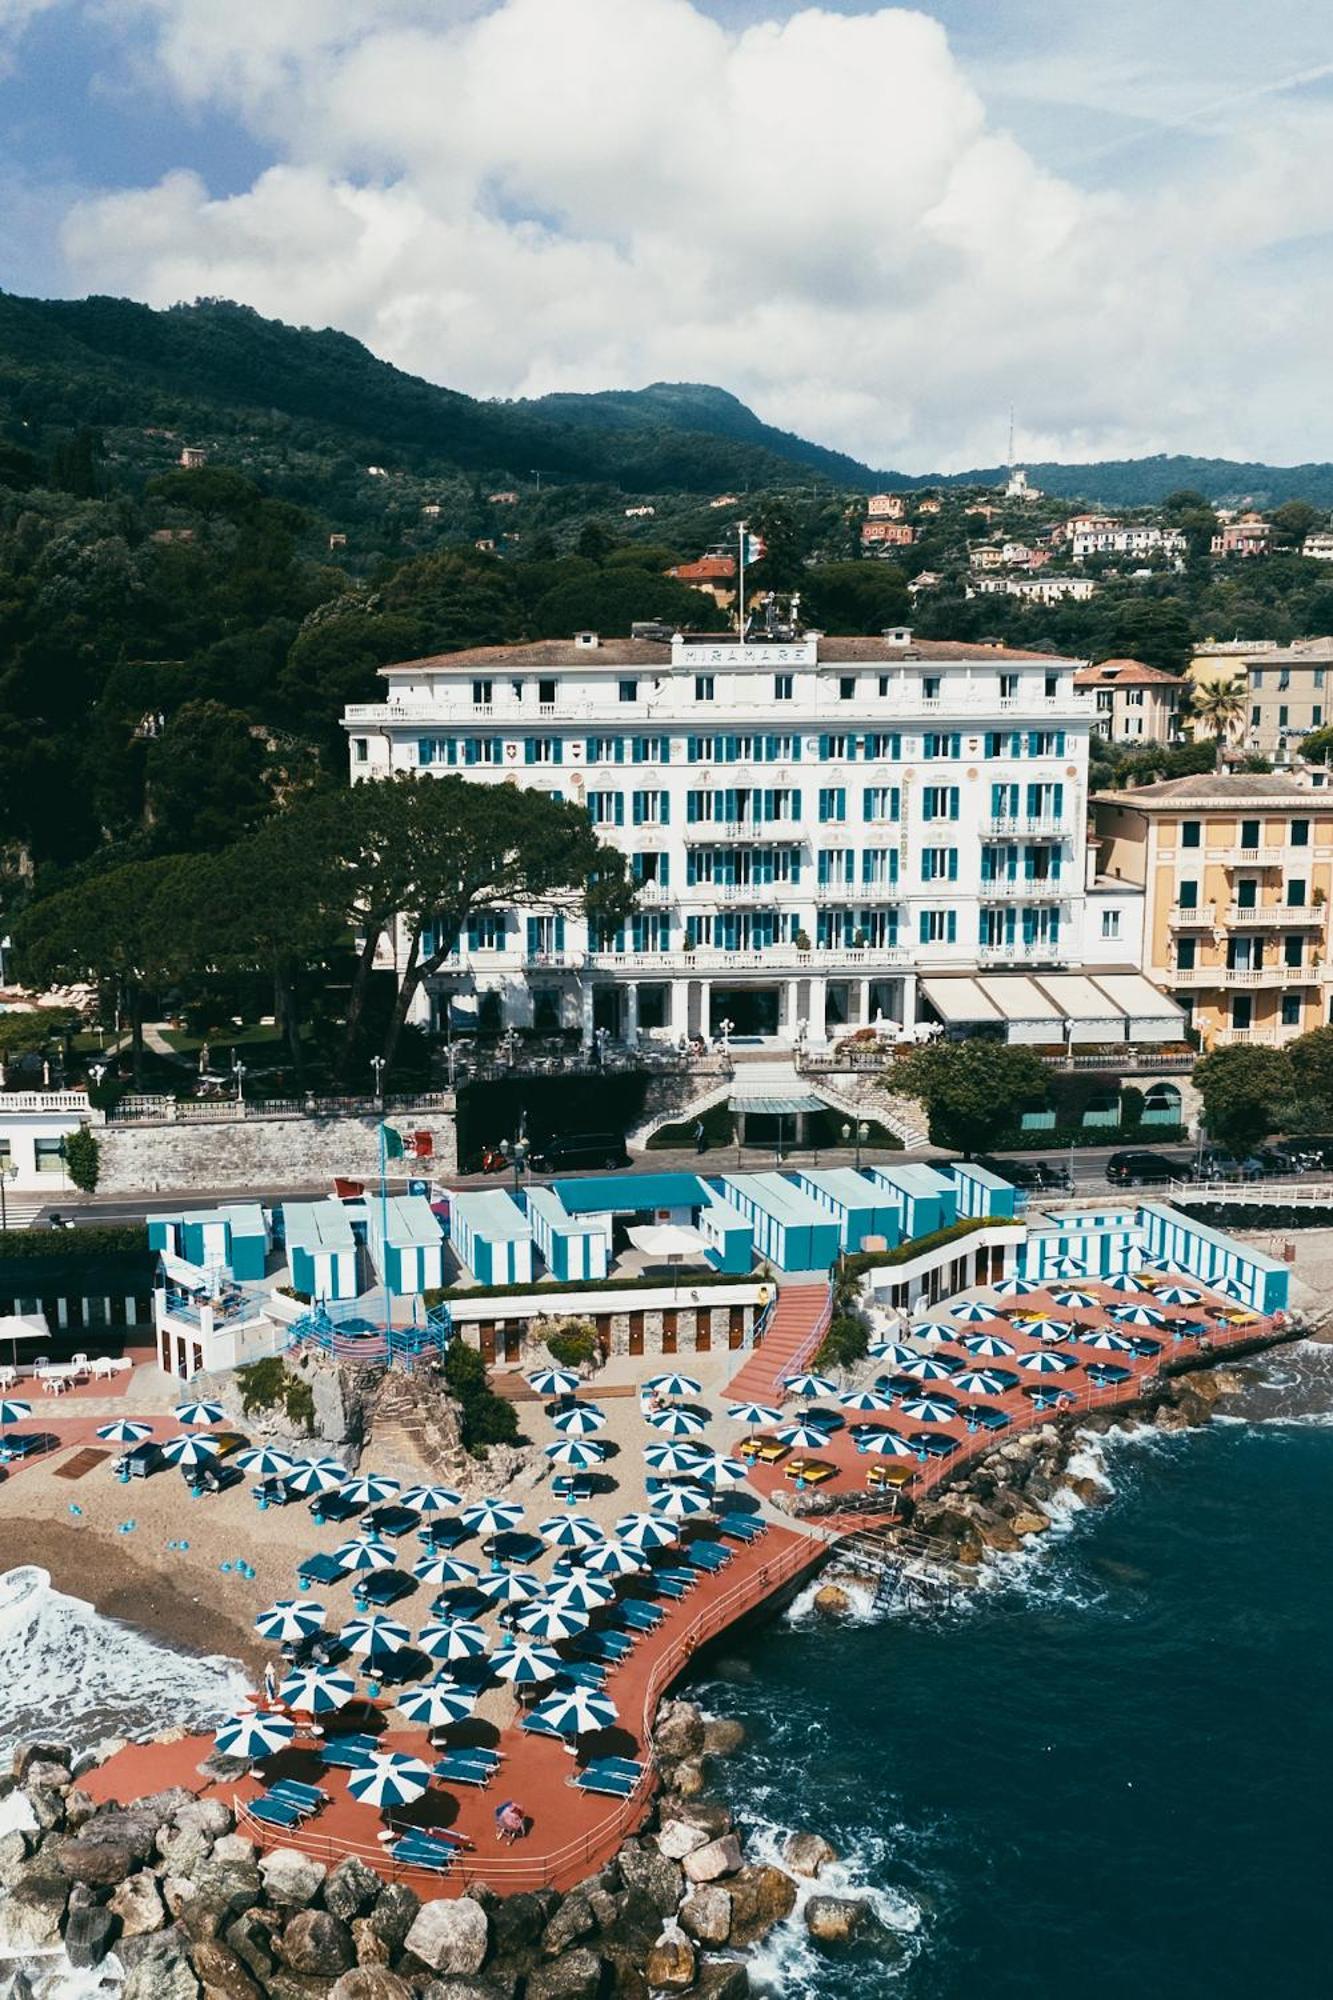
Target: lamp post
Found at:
7, 1174
378, 1065
516, 1152
859, 1132
240, 1073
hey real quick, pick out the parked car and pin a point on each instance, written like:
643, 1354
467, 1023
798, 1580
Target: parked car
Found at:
1039, 1176
1142, 1170
578, 1150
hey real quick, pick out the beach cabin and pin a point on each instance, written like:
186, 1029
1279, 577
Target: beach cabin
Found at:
1252, 1277
790, 1229
928, 1198
635, 1198
573, 1247
1080, 1243
234, 1238
860, 1207
321, 1249
728, 1235
406, 1243
981, 1192
493, 1237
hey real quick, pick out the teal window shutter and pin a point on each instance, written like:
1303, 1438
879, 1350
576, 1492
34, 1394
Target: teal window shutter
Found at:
1058, 800
953, 802
664, 808
534, 935
620, 808
951, 927
692, 808
425, 751
953, 864
664, 871
925, 927
638, 809
795, 804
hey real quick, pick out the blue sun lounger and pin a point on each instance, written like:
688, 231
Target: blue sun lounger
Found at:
581, 1673
319, 1569
632, 1616
418, 1850
613, 1778
742, 1527
273, 1810
607, 1648
347, 1753
537, 1725
309, 1796
441, 1536
709, 1556
465, 1767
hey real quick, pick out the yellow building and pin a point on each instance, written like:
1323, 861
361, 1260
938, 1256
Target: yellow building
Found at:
1237, 874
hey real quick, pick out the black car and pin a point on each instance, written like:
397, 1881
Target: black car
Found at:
1038, 1176
1142, 1170
580, 1150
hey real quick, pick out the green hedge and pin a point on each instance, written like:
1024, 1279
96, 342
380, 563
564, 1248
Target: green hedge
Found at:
72, 1243
861, 1261
455, 1295
1062, 1138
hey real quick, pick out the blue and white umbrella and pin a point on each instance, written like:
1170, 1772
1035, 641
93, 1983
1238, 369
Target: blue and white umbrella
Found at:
1176, 1295
612, 1559
258, 1732
720, 1472
972, 1311
1138, 1316
1232, 1288
583, 1593
187, 1450
890, 1350
1042, 1328
124, 1430
315, 1475
980, 1382
1067, 1296
865, 1399
569, 1531
806, 1437
371, 1489
292, 1619
932, 1409
812, 1386
511, 1586
363, 1552
553, 1622
1124, 1284
453, 1639
436, 1705
526, 1664
672, 1384
886, 1444
990, 1345
554, 1381
201, 1414
375, 1635
580, 1420
578, 1452
929, 1368
1015, 1288
492, 1516
447, 1570
753, 1414
429, 1499
677, 1457
1106, 1341
678, 1423
645, 1531
1043, 1361
389, 1778
934, 1331
317, 1690
1069, 1267
681, 1503
577, 1711
265, 1461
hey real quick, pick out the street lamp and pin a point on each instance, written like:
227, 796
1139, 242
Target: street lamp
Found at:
516, 1152
377, 1063
860, 1132
240, 1073
6, 1174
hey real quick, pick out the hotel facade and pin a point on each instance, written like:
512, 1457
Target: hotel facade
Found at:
815, 826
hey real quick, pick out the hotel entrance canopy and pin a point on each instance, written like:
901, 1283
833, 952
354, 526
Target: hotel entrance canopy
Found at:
1058, 1007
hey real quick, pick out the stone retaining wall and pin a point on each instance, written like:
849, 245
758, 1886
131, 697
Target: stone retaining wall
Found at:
268, 1153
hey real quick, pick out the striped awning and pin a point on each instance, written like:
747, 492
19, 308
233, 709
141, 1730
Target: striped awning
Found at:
776, 1107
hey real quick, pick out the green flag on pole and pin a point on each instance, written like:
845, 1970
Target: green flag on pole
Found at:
393, 1143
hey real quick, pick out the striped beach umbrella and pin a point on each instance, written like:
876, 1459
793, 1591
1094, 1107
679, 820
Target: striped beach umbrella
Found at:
554, 1381
672, 1384
453, 1639
1124, 1284
583, 1593
1015, 1288
375, 1635
525, 1664
199, 1415
720, 1472
290, 1620
363, 1553
933, 1332
315, 1475
578, 1452
447, 1570
436, 1705
865, 1399
317, 1690
645, 1531
580, 1420
492, 1516
428, 1499
265, 1461
612, 1559
892, 1351
981, 1382
125, 1430
681, 1503
371, 1489
678, 1423
255, 1733
569, 1531
812, 1386
1069, 1267
753, 1414
806, 1437
990, 1345
389, 1778
930, 1407
1231, 1288
1039, 1327
676, 1457
511, 1586
929, 1368
973, 1311
1067, 1296
577, 1711
553, 1622
1132, 1315
186, 1450
1107, 1342
13, 1410
886, 1444
1168, 1295
1043, 1361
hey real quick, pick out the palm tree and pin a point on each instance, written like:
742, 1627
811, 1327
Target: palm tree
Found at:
1220, 708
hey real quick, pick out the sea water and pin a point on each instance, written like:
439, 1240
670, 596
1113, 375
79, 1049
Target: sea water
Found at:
1107, 1773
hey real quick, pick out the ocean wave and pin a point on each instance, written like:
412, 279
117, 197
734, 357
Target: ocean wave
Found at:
82, 1678
788, 1962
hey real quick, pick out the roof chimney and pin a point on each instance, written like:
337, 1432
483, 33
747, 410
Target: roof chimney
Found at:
897, 635
588, 639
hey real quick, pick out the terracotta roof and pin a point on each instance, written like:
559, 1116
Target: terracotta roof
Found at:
708, 569
1124, 673
657, 653
1230, 788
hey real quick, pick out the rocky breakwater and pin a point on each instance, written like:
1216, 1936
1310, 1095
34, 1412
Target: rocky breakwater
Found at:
192, 1910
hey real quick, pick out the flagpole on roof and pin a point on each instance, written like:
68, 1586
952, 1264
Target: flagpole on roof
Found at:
741, 532
384, 1237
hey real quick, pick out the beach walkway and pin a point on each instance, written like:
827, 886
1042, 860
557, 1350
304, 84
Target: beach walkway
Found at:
799, 1320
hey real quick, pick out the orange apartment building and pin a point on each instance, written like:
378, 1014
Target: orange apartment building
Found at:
1237, 875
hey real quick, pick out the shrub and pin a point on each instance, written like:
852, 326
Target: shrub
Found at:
845, 1342
570, 1342
484, 1417
83, 1158
266, 1385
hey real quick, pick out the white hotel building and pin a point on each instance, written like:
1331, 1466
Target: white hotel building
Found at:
816, 825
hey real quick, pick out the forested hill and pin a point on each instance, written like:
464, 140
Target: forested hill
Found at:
1145, 482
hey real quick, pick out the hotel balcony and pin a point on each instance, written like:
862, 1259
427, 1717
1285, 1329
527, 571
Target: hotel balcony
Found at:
1251, 857
1030, 826
1023, 954
1254, 1038
681, 962
1274, 916
1203, 976
1021, 890
1196, 916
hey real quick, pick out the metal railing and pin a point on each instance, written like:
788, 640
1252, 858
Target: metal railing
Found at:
152, 1110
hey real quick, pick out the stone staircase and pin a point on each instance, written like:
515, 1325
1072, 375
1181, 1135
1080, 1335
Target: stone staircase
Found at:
413, 1429
784, 1345
758, 1074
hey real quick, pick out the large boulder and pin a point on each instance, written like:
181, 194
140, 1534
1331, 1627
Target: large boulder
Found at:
643, 1868
575, 1975
31, 1913
807, 1853
351, 1889
519, 1921
39, 1750
722, 1736
573, 1919
103, 1862
88, 1935
720, 1857
676, 1838
678, 1731
160, 1970
135, 1827
706, 1914
835, 1919
231, 1886
190, 1834
710, 1815
671, 1962
1029, 1521
686, 1780
222, 1974
370, 1982
394, 1914
761, 1896
722, 1979
138, 1905
450, 1936
318, 1943
48, 1774
253, 1938
832, 1601
292, 1880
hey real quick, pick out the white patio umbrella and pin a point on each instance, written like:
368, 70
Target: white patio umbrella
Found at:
672, 1384
865, 1399
1131, 1315
437, 1704
371, 1489
524, 1664
492, 1516
930, 1408
892, 1351
933, 1331
990, 1344
1169, 1295
125, 1430
315, 1475
1106, 1342
582, 1593
754, 1414
578, 1452
316, 1690
290, 1620
721, 1472
187, 1450
569, 1531
681, 1503
428, 1499
672, 1457
811, 1386
553, 1622
669, 1243
1124, 1283
453, 1639
511, 1586
612, 1559
1042, 1328
375, 1635
265, 1461
362, 1553
199, 1413
554, 1381
577, 1711
980, 1382
580, 1420
444, 1569
255, 1733
645, 1531
678, 1423
1068, 1296
389, 1778
1069, 1267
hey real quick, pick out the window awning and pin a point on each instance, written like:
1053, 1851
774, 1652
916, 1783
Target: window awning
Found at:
960, 1000
1055, 1007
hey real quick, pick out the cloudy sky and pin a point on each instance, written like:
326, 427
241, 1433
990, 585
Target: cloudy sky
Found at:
881, 226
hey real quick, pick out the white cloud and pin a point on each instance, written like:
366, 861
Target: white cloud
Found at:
815, 212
